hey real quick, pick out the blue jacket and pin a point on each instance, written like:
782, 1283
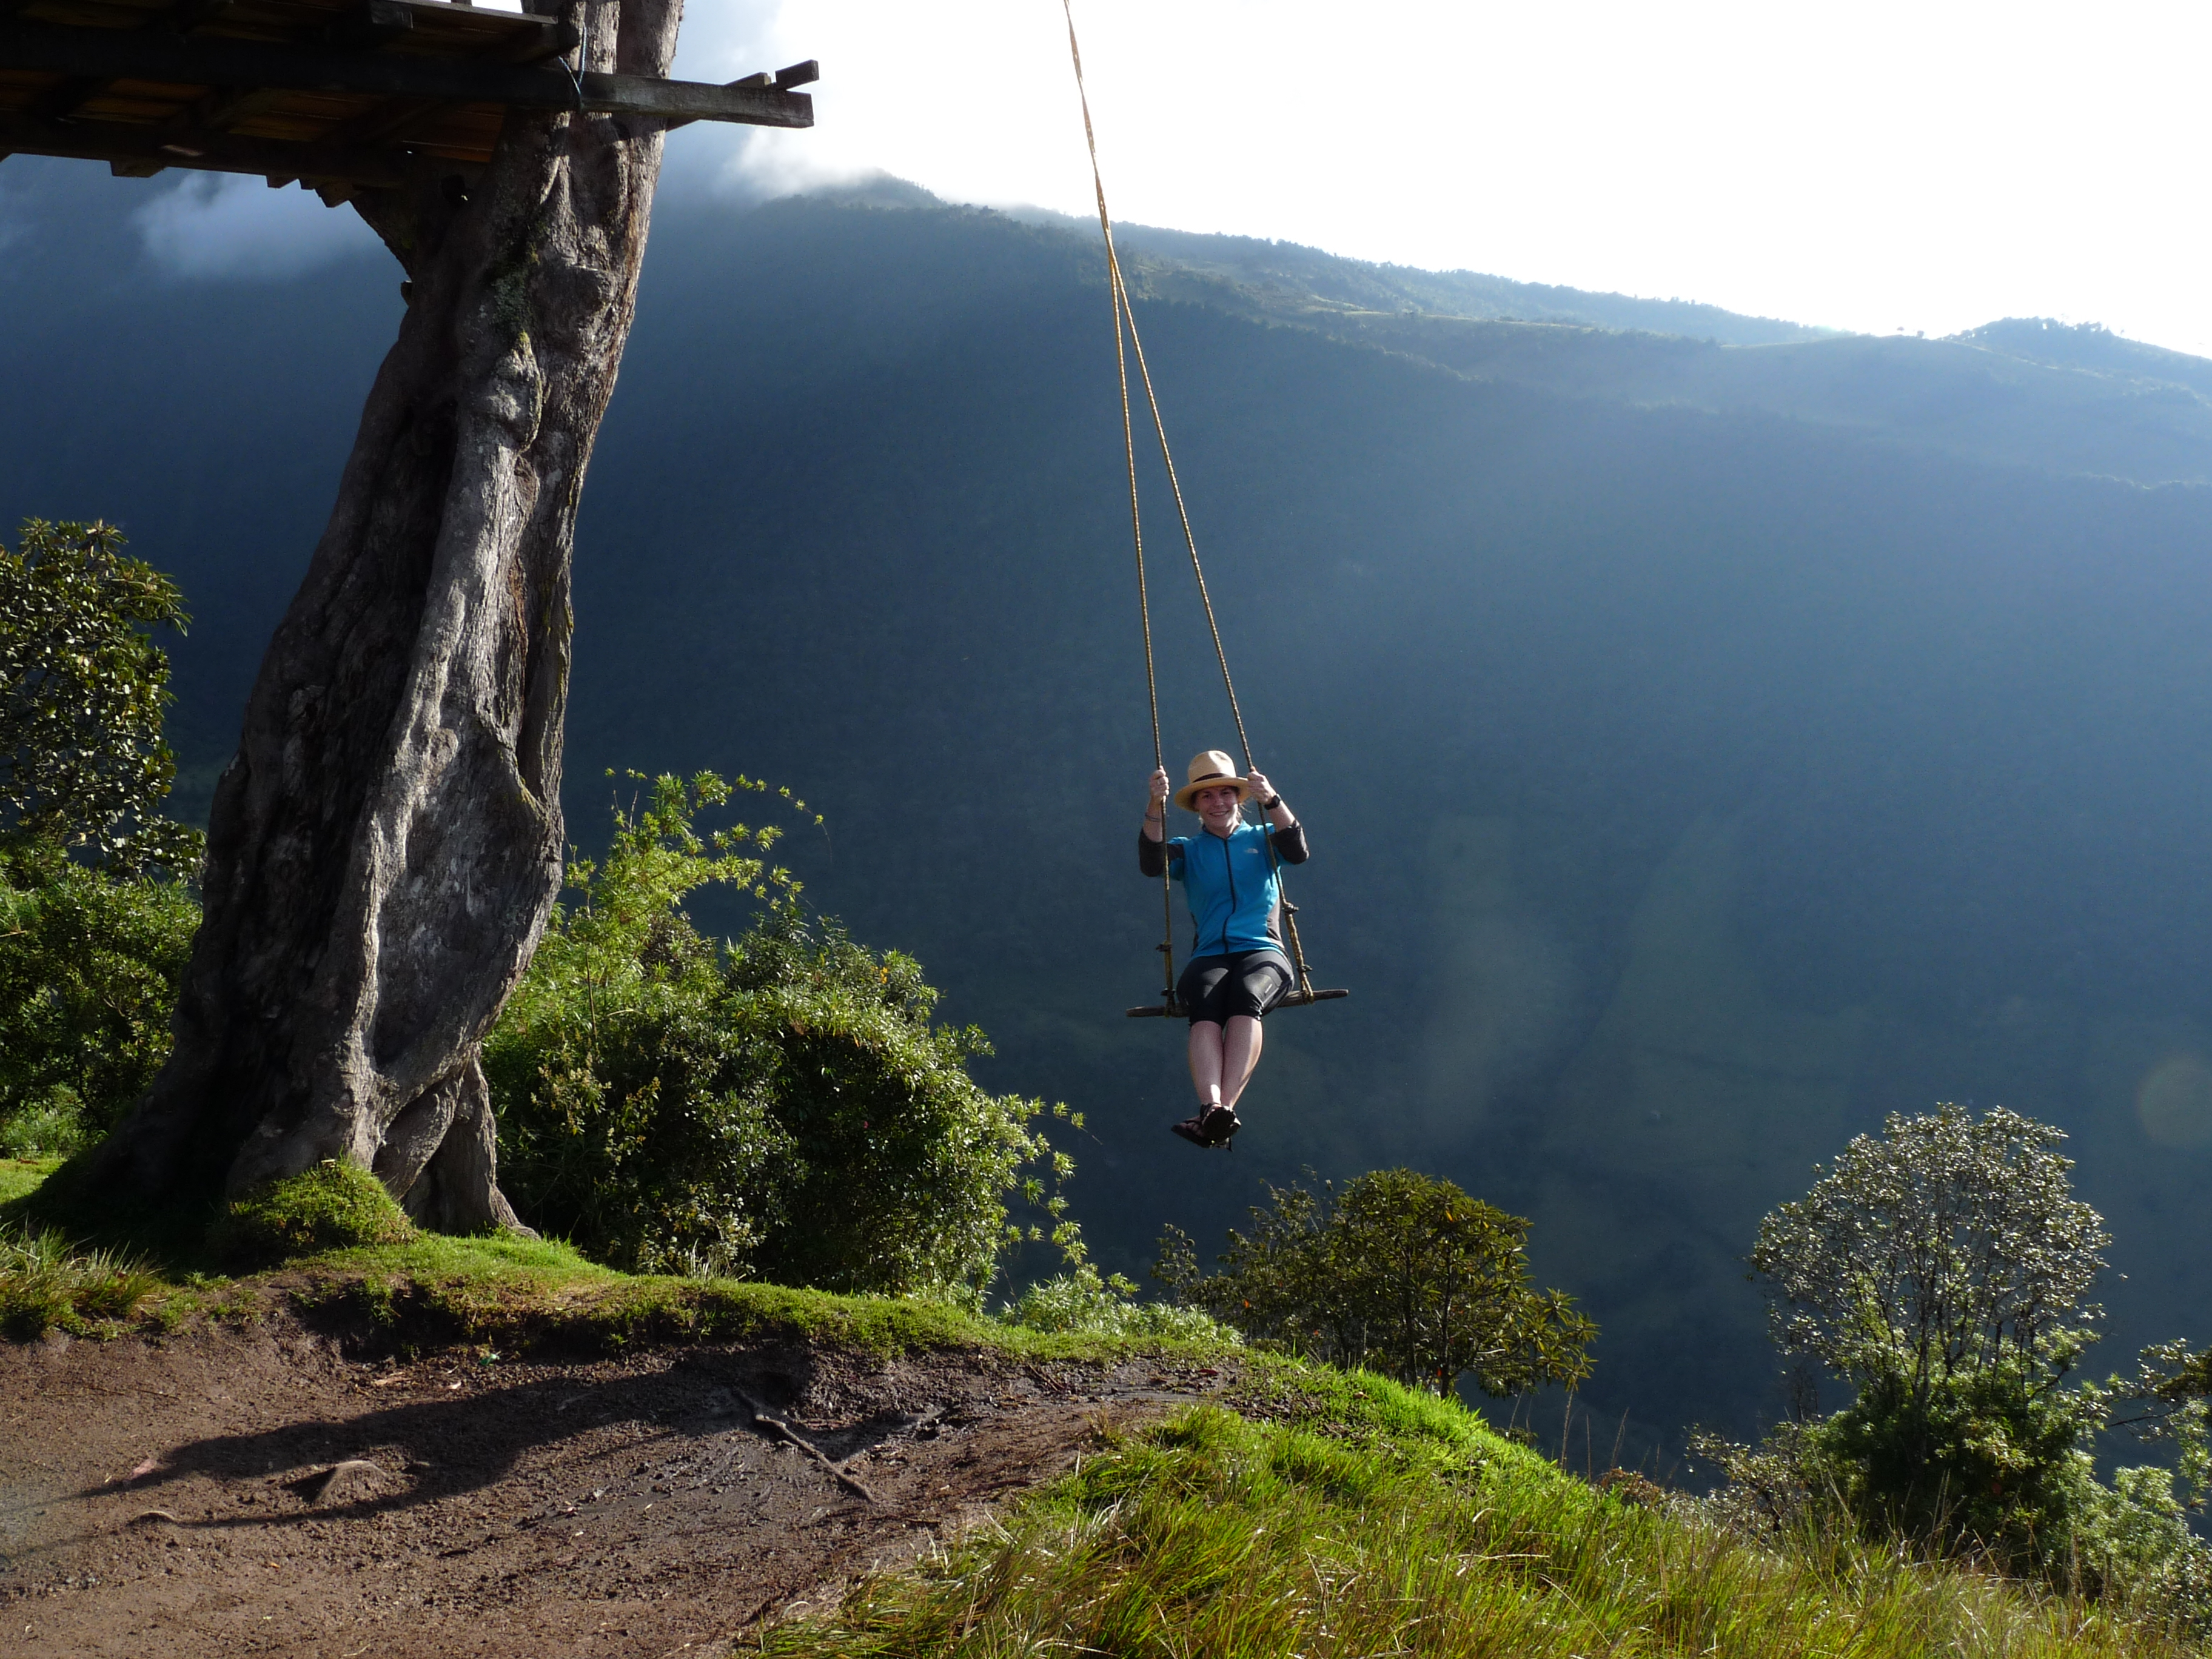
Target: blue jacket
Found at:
1230, 885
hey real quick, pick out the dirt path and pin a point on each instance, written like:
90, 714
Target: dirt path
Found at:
254, 1491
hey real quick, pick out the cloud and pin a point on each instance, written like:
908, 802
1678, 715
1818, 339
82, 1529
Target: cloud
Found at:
749, 165
222, 227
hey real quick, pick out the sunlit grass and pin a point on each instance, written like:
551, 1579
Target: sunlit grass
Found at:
427, 1290
19, 1177
1406, 1528
45, 1283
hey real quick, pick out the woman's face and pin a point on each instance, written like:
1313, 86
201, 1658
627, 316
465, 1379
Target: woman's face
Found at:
1217, 806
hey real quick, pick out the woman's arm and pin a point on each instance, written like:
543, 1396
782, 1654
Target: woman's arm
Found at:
1288, 834
1272, 803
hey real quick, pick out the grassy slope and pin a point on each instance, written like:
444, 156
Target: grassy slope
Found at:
1325, 1515
1347, 1516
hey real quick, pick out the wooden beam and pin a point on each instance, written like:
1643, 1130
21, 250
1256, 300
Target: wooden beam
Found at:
212, 61
136, 151
63, 96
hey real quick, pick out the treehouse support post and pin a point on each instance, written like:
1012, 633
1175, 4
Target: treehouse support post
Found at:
386, 845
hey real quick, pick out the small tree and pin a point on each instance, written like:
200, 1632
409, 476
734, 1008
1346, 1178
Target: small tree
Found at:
1940, 1268
93, 938
1945, 1245
1403, 1273
82, 692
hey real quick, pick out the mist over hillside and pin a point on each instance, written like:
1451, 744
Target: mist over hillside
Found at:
1710, 740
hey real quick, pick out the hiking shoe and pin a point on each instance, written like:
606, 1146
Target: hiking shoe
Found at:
1188, 1129
1218, 1124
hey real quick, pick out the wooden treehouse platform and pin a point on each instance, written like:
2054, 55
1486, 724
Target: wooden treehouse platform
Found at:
339, 94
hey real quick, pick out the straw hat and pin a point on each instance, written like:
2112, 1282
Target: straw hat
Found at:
1209, 770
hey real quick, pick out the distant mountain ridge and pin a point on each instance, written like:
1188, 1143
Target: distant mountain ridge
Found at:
2072, 400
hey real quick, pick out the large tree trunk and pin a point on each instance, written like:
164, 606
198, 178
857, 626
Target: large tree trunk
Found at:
385, 848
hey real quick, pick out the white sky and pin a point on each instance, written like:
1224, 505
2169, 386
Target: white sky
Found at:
1873, 167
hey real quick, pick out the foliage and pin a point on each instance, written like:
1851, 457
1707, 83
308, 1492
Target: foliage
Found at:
782, 1106
2170, 1398
1941, 1269
333, 1206
1366, 1519
1403, 1273
2133, 1549
1986, 1454
1081, 1300
90, 964
44, 1283
1946, 1245
93, 945
82, 691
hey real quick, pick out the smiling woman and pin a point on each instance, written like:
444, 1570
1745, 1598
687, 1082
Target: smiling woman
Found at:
1238, 971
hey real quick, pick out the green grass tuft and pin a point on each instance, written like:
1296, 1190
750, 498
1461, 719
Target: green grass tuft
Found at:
1364, 1519
44, 1283
332, 1206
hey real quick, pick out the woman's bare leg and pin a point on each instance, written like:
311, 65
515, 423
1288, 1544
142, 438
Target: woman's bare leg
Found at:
1206, 1046
1240, 1055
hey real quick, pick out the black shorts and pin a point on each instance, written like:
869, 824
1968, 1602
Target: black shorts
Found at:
1216, 989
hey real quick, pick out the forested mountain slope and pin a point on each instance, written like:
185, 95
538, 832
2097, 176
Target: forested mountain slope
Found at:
1706, 747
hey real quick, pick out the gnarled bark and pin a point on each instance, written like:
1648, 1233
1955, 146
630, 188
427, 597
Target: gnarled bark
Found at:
386, 846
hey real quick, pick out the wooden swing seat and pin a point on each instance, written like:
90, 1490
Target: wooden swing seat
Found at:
1176, 1010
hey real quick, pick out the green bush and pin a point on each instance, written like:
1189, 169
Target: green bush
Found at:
332, 1206
90, 963
1988, 1454
1083, 1302
1401, 1273
782, 1106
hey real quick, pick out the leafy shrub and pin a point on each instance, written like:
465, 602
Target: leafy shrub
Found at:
1988, 1454
1082, 1301
780, 1106
43, 1283
332, 1206
1403, 1273
90, 963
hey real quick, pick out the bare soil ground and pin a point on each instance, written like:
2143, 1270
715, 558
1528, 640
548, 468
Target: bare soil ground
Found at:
254, 1491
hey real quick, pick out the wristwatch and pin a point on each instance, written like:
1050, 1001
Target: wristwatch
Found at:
1271, 803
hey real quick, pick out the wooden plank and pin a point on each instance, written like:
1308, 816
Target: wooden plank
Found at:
132, 148
214, 61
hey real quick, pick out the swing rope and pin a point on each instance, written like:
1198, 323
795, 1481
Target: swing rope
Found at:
1125, 316
1136, 518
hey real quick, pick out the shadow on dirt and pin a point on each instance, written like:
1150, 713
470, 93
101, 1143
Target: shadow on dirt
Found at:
470, 1432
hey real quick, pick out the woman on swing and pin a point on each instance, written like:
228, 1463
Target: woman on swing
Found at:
1237, 969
